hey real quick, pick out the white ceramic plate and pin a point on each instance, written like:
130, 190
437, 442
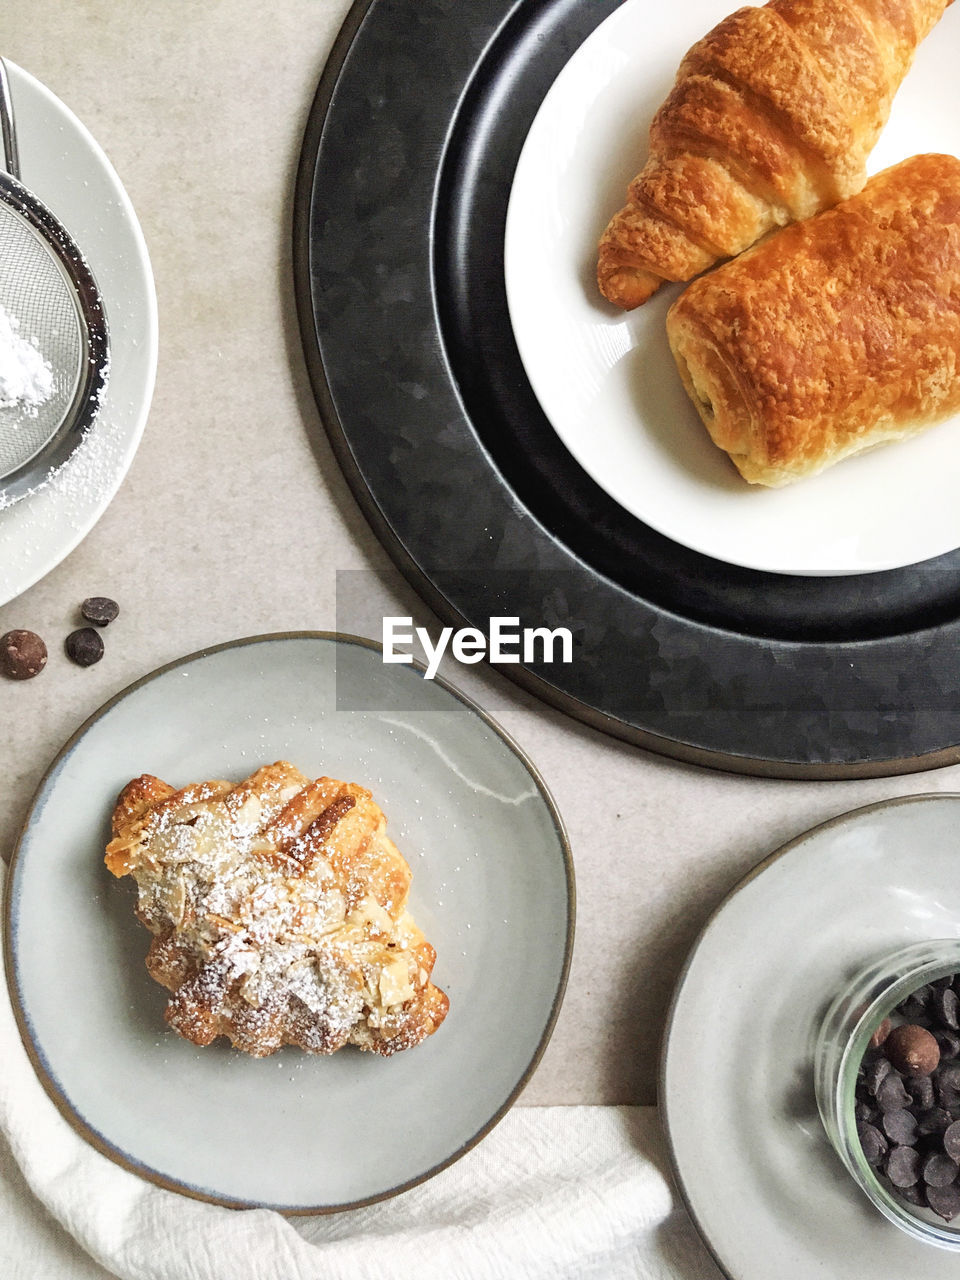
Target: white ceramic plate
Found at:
65, 167
765, 1187
492, 890
607, 381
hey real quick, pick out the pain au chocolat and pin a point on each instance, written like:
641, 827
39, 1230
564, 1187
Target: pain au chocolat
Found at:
835, 335
278, 909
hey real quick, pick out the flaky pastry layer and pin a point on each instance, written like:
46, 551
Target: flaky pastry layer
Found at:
772, 119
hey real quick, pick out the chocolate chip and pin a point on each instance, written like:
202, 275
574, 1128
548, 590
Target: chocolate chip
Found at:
900, 1126
945, 1006
875, 1145
916, 1003
903, 1166
949, 1043
921, 1091
944, 1201
939, 1170
865, 1113
100, 609
23, 655
891, 1095
875, 1074
951, 1140
935, 1121
916, 1195
84, 647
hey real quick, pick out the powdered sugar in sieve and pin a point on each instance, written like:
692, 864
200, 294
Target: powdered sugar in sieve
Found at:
54, 347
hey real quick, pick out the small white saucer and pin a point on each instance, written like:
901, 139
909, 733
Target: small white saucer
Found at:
66, 168
492, 889
751, 1157
607, 381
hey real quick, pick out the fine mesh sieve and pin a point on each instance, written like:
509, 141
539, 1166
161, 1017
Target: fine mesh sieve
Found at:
48, 290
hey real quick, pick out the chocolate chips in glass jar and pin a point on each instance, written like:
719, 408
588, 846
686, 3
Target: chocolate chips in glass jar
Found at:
908, 1099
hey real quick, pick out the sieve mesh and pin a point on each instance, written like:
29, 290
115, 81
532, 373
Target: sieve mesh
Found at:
35, 289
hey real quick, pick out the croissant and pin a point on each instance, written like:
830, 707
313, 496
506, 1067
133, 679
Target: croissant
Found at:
771, 120
278, 909
837, 334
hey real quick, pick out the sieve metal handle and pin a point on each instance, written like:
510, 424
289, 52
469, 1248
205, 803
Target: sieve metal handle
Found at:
11, 153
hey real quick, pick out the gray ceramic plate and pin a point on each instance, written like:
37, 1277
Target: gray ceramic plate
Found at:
765, 1187
492, 889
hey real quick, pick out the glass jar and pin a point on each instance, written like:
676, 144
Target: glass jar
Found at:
844, 1036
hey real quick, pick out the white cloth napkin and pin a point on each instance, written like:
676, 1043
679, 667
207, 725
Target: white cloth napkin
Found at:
554, 1193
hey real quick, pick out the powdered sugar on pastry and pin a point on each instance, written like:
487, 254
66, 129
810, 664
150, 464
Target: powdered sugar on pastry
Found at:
278, 908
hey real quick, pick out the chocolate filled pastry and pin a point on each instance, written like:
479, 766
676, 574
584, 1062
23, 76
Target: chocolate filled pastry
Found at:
278, 909
772, 119
835, 335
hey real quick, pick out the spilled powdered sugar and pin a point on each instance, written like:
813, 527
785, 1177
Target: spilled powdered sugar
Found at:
26, 379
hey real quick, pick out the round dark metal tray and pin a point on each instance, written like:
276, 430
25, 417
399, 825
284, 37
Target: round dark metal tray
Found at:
400, 207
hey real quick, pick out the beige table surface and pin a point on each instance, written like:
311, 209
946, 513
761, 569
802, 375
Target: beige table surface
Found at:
234, 517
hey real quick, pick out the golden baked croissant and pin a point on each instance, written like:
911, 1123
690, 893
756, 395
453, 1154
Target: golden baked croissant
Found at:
835, 335
772, 119
278, 909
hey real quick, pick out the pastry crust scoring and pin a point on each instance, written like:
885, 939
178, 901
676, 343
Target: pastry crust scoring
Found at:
278, 909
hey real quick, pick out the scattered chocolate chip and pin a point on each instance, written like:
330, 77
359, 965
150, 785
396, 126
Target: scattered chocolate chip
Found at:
944, 1201
84, 647
891, 1095
900, 1126
912, 1049
881, 1033
100, 610
903, 1166
23, 655
945, 1007
938, 1170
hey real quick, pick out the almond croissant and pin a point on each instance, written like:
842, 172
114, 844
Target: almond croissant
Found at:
772, 119
279, 913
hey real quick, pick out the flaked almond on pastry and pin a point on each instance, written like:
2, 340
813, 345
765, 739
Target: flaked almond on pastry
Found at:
278, 909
